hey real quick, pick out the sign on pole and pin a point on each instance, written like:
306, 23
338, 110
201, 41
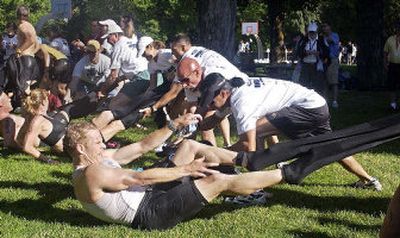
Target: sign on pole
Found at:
249, 28
61, 8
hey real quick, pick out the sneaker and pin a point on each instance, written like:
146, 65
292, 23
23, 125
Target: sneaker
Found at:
335, 104
373, 183
257, 198
281, 164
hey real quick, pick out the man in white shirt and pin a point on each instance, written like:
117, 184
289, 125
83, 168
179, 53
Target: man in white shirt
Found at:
263, 107
90, 71
125, 63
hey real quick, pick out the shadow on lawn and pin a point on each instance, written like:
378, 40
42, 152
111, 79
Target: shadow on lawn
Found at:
326, 221
43, 208
373, 206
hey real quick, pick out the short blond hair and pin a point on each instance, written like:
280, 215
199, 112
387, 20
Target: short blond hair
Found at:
76, 133
33, 101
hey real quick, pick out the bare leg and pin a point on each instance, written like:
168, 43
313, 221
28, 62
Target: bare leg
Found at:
209, 135
272, 140
391, 224
265, 128
351, 165
246, 183
190, 149
111, 129
103, 119
226, 131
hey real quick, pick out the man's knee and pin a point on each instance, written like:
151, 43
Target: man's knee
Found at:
219, 179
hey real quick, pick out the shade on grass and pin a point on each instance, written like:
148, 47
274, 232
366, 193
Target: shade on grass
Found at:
36, 200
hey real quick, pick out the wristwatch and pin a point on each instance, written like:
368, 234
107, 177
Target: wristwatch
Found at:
171, 126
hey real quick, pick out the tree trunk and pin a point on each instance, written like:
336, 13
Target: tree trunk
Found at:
275, 20
370, 44
217, 20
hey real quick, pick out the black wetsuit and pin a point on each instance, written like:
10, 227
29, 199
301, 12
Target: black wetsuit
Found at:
20, 70
60, 124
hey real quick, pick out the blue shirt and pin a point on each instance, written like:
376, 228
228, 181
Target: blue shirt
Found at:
333, 46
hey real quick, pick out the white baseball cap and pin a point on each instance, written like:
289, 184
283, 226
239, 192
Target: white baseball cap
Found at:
312, 27
144, 41
107, 22
112, 27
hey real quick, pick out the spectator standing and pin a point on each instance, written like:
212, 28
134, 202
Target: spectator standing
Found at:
331, 40
353, 53
392, 65
313, 54
349, 48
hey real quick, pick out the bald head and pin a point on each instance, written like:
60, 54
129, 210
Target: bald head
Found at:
189, 72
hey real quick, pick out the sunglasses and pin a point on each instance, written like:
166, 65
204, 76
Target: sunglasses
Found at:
186, 79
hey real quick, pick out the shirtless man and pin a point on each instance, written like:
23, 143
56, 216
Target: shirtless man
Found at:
22, 69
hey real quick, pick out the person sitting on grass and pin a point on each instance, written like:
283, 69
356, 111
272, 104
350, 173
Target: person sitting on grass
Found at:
49, 127
10, 124
160, 198
39, 125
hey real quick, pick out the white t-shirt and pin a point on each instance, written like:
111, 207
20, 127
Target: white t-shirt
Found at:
61, 45
311, 45
7, 44
92, 73
125, 59
164, 62
261, 96
211, 62
132, 42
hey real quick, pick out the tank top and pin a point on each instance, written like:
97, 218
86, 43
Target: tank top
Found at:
116, 207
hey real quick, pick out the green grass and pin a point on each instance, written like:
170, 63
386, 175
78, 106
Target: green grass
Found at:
36, 200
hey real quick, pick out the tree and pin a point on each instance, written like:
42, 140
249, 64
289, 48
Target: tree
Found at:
217, 21
370, 43
8, 9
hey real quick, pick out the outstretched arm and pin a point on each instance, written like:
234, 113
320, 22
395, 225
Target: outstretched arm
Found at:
118, 179
129, 153
175, 89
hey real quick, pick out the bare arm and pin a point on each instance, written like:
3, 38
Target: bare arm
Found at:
130, 152
118, 179
211, 120
175, 89
27, 142
110, 81
247, 142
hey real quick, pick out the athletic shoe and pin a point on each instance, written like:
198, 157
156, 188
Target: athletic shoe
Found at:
257, 198
335, 104
281, 164
373, 183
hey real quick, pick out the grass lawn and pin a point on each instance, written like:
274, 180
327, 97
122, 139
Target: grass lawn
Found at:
36, 200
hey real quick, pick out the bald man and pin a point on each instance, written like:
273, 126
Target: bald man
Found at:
192, 59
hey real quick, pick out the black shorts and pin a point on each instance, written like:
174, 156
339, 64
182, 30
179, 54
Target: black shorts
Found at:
298, 122
393, 77
128, 99
164, 208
